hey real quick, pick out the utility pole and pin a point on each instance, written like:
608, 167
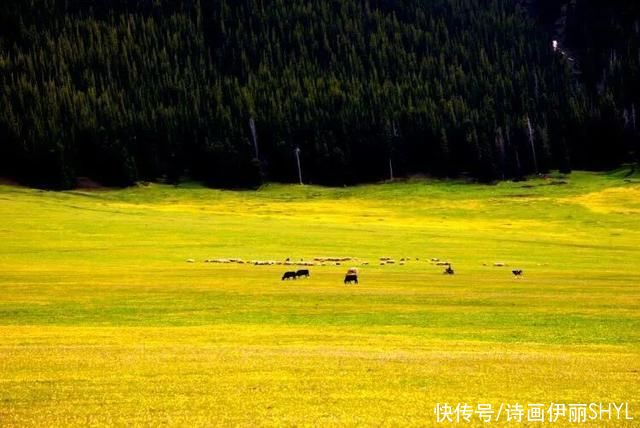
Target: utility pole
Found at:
394, 135
297, 151
254, 135
532, 144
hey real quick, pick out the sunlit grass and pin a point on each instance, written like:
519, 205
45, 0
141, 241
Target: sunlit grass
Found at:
102, 321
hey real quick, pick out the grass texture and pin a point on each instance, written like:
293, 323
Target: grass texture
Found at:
103, 322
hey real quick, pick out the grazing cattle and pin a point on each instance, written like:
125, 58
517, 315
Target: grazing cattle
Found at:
289, 275
517, 272
448, 270
303, 272
349, 278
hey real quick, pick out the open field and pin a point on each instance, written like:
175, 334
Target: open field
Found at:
103, 322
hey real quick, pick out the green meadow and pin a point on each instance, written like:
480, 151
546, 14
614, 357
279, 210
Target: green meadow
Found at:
103, 321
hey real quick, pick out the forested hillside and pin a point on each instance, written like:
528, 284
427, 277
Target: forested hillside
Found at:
121, 91
601, 41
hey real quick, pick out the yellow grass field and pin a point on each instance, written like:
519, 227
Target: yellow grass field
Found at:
104, 322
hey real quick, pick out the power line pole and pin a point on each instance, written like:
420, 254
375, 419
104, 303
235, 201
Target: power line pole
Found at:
532, 144
254, 135
394, 135
299, 167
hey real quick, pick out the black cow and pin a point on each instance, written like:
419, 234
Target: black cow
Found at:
349, 278
517, 272
289, 275
448, 270
303, 272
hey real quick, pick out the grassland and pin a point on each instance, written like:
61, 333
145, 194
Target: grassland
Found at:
103, 322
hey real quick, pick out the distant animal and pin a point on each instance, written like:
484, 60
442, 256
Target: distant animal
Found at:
517, 272
352, 271
303, 272
448, 270
349, 278
289, 275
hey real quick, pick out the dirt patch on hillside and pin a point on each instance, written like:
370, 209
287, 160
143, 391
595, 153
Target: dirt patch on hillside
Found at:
8, 182
86, 183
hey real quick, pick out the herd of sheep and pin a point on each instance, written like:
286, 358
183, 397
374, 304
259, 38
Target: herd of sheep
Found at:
338, 261
317, 261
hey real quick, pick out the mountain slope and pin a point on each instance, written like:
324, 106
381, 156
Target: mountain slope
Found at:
121, 91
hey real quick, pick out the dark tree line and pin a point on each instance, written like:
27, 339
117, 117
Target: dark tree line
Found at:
601, 42
121, 91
